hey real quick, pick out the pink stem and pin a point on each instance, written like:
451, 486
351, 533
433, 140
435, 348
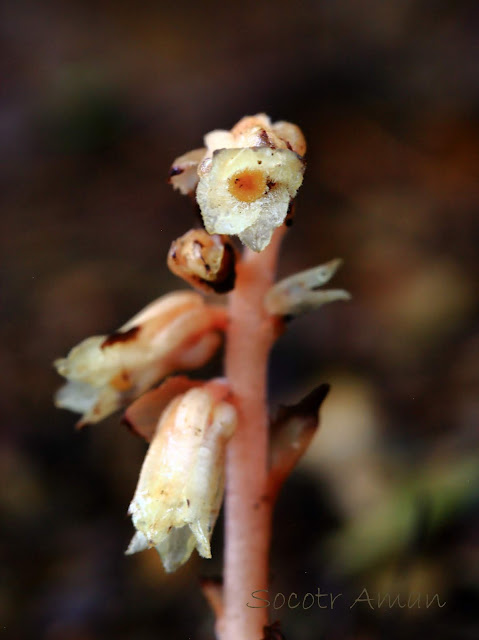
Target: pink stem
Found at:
250, 337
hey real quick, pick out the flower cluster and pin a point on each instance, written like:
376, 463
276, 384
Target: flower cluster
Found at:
244, 181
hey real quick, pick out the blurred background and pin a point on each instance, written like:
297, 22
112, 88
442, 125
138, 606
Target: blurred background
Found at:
96, 100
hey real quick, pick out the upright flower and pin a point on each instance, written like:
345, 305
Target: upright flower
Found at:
247, 178
181, 484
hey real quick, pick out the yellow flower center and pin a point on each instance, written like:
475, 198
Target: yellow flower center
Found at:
247, 185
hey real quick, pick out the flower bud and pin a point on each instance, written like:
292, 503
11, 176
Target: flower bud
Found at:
104, 373
181, 484
206, 262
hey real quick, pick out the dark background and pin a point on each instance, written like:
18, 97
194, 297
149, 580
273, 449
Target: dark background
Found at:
96, 100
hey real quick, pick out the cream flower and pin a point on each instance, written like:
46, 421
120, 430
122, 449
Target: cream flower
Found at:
247, 192
177, 331
247, 178
181, 484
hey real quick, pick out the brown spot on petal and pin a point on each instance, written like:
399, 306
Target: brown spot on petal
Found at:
248, 185
265, 139
121, 382
120, 336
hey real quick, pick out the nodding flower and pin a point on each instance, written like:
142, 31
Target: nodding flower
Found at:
181, 484
179, 331
246, 178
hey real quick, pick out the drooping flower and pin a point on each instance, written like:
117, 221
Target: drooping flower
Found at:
181, 484
104, 373
247, 178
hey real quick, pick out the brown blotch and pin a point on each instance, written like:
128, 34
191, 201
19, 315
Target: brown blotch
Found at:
120, 336
248, 185
265, 139
188, 501
121, 382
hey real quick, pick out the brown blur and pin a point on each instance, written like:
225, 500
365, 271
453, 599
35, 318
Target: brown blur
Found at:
96, 101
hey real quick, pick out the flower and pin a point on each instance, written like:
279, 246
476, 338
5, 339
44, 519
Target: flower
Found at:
247, 192
181, 484
247, 178
206, 262
177, 331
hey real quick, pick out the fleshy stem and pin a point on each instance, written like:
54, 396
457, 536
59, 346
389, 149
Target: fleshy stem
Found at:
248, 509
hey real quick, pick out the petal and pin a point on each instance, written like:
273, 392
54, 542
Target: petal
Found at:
183, 174
177, 548
142, 415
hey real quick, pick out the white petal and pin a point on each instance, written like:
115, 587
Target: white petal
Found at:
181, 484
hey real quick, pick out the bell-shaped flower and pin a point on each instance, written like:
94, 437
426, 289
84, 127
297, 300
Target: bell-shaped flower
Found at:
181, 484
104, 373
247, 178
